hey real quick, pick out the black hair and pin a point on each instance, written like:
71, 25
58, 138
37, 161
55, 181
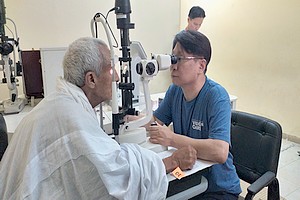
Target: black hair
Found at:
195, 43
196, 11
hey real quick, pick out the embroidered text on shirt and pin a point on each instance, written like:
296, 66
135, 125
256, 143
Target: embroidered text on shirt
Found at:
197, 125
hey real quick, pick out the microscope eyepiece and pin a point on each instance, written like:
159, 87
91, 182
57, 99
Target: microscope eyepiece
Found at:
174, 59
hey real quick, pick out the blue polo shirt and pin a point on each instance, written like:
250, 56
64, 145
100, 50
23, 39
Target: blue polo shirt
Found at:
206, 116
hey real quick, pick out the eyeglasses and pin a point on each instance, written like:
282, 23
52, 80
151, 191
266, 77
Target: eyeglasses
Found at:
177, 59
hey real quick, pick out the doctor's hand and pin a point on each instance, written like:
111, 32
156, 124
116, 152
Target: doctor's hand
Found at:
184, 158
129, 118
160, 135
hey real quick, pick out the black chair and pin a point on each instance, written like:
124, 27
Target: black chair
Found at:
3, 136
255, 145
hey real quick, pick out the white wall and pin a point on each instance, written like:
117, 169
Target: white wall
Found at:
56, 23
256, 54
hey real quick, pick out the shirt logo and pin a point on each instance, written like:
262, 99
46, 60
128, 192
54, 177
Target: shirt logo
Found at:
197, 125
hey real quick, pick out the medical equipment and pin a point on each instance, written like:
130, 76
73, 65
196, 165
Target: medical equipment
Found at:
132, 131
7, 46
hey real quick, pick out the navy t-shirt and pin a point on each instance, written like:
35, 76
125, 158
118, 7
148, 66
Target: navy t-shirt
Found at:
206, 116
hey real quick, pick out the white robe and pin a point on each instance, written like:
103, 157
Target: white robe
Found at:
59, 151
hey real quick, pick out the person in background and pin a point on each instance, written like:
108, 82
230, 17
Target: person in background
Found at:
59, 151
195, 18
200, 111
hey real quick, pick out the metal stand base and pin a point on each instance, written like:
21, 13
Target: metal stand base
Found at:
13, 107
139, 136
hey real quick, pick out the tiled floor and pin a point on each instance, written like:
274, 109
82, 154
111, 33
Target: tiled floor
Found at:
288, 173
289, 170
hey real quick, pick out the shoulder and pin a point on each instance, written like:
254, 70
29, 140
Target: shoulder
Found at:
173, 93
216, 90
63, 110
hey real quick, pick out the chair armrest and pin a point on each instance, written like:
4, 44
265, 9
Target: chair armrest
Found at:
260, 183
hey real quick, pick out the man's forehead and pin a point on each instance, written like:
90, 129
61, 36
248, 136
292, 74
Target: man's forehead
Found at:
178, 48
107, 66
105, 51
106, 55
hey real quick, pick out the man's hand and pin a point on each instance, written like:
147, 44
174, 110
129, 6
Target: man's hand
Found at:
184, 158
160, 135
129, 118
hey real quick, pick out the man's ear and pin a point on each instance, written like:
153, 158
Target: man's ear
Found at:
89, 79
202, 63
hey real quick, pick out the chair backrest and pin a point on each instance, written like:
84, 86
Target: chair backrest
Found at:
3, 136
255, 145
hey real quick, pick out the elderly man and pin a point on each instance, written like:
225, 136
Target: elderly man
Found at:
59, 150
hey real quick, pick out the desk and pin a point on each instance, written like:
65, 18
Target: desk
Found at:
191, 192
190, 185
13, 120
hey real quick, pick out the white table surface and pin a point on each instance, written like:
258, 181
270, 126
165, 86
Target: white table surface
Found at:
193, 191
199, 165
13, 120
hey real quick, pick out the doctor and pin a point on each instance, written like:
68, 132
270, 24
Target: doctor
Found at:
59, 150
199, 109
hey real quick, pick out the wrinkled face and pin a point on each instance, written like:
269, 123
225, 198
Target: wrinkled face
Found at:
194, 24
188, 67
103, 90
104, 86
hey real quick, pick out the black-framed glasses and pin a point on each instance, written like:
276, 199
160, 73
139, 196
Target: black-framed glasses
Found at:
177, 59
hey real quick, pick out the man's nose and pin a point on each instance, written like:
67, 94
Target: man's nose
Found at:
117, 78
173, 67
